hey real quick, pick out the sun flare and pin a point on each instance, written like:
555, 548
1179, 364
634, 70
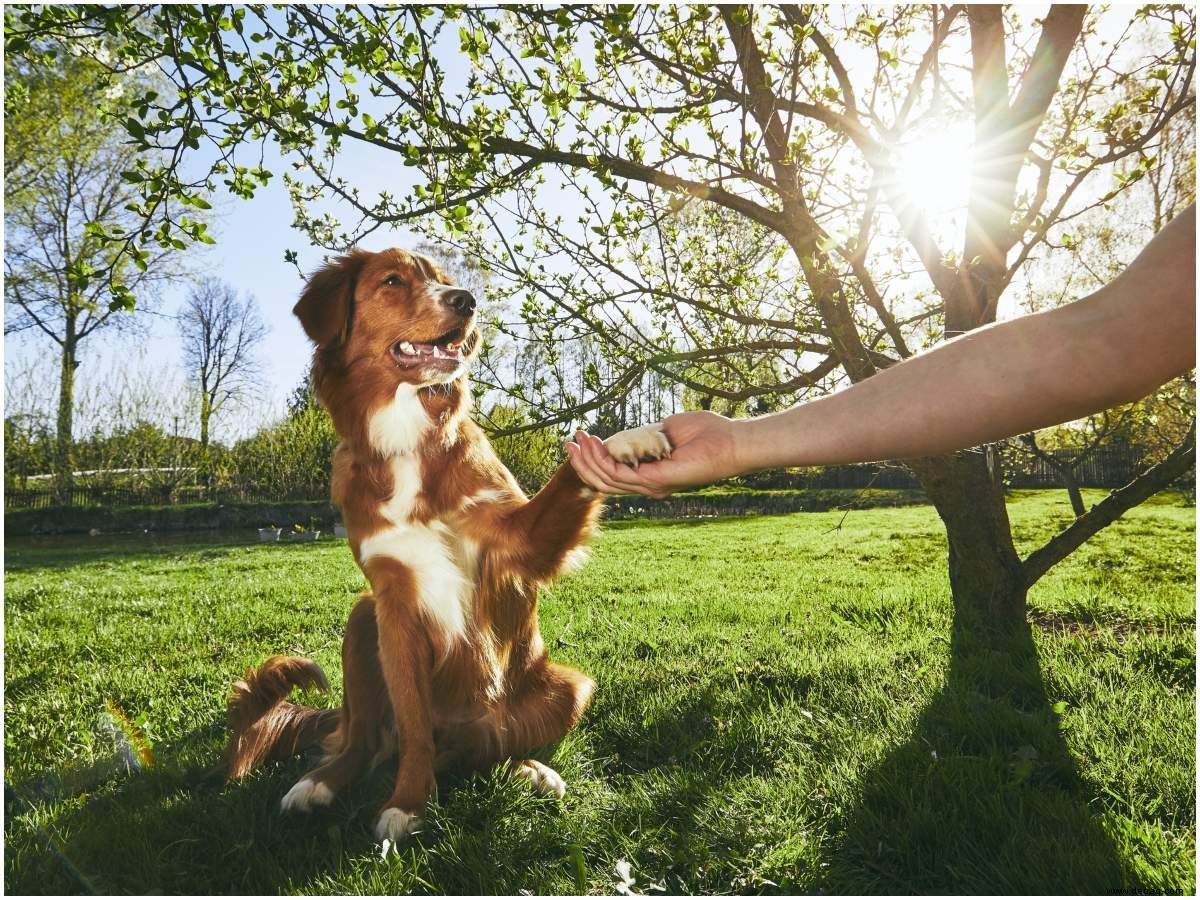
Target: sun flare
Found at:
934, 167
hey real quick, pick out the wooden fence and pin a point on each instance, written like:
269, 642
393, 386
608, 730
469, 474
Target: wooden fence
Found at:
1105, 467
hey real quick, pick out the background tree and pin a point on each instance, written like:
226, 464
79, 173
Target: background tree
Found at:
561, 156
532, 456
130, 422
290, 459
1073, 447
220, 336
64, 191
1161, 182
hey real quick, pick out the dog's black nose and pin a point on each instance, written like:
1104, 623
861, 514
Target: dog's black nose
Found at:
459, 300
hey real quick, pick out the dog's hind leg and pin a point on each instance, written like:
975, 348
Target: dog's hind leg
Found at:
550, 706
364, 732
547, 705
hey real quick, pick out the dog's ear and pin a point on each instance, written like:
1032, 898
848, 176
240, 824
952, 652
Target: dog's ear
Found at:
326, 306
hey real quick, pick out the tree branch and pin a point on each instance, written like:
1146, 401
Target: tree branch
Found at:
1111, 508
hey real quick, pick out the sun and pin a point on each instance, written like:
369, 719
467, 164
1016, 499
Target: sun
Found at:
934, 167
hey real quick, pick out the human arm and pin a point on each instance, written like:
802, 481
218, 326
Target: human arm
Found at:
1111, 347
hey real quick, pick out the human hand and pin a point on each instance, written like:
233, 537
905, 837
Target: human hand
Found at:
704, 449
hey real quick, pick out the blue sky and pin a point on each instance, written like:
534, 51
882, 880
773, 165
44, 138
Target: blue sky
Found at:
251, 238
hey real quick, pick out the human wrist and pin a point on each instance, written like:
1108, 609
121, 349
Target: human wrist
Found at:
749, 451
769, 442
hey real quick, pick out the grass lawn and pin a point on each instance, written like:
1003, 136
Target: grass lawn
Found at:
784, 705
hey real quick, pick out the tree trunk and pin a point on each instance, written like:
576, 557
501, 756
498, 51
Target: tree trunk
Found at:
63, 458
1065, 471
205, 415
1072, 485
985, 571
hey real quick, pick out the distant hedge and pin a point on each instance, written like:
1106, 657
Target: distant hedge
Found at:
176, 517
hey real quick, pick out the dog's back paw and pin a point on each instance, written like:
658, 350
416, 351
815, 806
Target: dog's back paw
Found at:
541, 777
395, 825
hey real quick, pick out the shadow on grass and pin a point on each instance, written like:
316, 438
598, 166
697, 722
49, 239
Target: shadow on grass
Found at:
984, 797
175, 829
180, 829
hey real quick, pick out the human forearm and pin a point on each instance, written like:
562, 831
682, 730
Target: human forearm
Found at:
1109, 348
983, 386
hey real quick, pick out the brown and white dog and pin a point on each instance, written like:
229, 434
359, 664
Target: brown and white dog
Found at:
442, 660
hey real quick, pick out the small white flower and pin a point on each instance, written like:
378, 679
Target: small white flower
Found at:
625, 879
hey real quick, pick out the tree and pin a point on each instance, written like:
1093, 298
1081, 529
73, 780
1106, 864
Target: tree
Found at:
532, 456
1143, 433
64, 190
28, 450
790, 120
301, 397
290, 459
220, 336
1073, 451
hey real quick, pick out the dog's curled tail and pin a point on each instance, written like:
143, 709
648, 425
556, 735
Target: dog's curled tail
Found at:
264, 725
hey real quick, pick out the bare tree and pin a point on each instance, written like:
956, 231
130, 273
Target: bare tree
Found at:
1066, 465
220, 335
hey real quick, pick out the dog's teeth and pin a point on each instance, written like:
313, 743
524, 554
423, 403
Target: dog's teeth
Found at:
406, 347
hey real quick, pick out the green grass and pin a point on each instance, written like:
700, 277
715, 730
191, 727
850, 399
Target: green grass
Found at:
783, 705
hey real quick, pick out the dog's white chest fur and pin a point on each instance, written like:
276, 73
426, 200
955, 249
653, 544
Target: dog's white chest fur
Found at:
443, 562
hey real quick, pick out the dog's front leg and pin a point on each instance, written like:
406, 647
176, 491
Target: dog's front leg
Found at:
406, 659
543, 532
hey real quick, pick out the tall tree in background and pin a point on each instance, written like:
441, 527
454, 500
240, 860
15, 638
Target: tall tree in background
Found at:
577, 134
64, 194
220, 336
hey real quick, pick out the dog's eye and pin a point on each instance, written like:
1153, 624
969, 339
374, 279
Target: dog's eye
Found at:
394, 281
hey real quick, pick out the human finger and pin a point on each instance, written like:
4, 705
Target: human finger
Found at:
588, 471
614, 472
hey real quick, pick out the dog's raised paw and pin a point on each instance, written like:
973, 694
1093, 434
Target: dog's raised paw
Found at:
645, 444
395, 824
306, 795
541, 777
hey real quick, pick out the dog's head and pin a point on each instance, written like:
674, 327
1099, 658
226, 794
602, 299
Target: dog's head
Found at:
384, 319
393, 311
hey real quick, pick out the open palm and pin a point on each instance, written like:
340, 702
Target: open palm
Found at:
703, 451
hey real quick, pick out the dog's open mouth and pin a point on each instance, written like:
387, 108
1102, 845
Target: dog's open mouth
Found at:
445, 352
